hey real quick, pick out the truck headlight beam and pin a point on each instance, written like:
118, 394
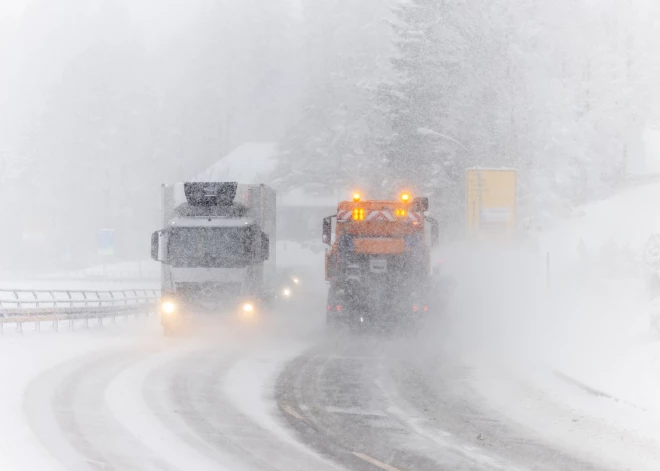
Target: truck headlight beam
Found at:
168, 307
248, 307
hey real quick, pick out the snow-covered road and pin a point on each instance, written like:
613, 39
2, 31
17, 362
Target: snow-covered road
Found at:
271, 398
136, 401
481, 387
388, 403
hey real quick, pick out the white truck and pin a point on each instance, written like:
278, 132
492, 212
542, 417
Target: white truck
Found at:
217, 250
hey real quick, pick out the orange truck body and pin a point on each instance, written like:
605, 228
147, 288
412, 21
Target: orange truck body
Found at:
380, 228
378, 265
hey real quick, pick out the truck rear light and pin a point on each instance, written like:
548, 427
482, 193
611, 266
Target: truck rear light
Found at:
426, 308
338, 307
415, 308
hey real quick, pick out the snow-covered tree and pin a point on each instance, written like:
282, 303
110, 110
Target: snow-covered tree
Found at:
554, 90
425, 150
333, 140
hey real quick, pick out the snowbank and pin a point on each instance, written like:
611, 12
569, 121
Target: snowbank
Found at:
608, 338
566, 350
590, 319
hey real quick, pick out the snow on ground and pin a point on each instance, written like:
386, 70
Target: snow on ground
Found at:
589, 320
119, 276
23, 358
132, 270
608, 340
590, 316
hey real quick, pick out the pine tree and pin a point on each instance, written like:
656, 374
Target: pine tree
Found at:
423, 152
332, 143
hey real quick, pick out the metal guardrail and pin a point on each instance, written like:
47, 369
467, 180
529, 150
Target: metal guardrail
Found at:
36, 306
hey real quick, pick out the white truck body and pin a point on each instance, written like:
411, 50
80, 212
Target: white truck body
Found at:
216, 255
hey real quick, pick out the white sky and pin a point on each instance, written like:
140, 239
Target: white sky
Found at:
10, 10
171, 15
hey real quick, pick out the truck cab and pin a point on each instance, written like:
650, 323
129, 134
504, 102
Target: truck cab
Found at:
378, 264
215, 250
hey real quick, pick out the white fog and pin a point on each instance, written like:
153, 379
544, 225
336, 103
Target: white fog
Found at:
401, 235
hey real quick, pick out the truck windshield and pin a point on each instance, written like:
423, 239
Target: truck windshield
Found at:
211, 246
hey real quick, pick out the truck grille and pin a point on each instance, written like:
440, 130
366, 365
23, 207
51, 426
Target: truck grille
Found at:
209, 296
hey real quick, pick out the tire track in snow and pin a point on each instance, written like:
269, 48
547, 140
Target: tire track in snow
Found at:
66, 409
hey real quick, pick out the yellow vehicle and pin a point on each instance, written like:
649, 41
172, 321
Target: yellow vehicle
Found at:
491, 203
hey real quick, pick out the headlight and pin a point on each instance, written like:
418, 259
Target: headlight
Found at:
296, 280
168, 307
247, 307
286, 292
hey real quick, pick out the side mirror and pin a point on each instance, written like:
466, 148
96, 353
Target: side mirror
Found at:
265, 246
327, 230
154, 246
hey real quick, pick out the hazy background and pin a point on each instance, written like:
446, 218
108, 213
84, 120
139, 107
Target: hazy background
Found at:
103, 100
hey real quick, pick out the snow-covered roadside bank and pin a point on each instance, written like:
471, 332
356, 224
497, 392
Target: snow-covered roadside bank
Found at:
589, 320
604, 333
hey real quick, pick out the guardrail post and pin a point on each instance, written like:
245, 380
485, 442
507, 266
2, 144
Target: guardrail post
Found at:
72, 324
19, 327
37, 325
56, 325
86, 322
2, 328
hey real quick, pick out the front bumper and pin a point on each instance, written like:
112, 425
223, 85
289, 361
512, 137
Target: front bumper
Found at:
187, 314
389, 317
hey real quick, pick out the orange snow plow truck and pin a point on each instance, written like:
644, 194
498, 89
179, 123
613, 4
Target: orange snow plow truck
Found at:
378, 264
